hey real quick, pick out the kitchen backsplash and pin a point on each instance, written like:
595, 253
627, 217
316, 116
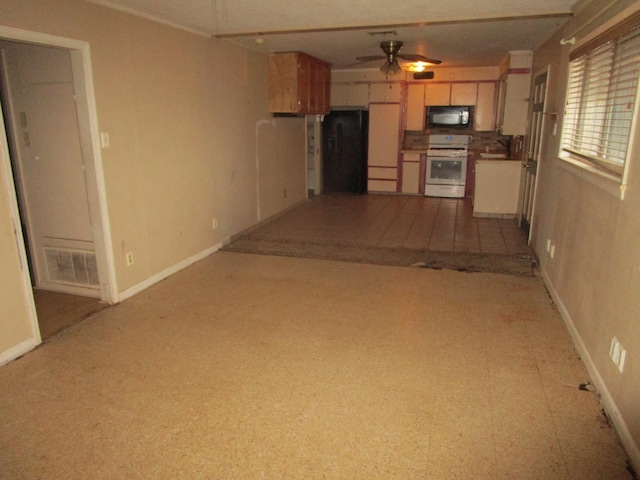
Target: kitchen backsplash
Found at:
480, 141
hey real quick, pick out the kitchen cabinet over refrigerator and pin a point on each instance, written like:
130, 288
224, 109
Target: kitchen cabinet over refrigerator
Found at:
299, 84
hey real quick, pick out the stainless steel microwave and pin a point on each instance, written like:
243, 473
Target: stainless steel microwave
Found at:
448, 116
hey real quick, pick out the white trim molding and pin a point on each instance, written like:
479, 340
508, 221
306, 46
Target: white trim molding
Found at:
158, 277
18, 350
81, 58
606, 399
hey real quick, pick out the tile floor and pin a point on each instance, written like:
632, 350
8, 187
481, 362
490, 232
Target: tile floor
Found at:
394, 221
252, 366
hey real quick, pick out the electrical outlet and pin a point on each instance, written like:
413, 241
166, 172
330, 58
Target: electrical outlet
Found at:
215, 223
129, 259
548, 244
618, 354
552, 250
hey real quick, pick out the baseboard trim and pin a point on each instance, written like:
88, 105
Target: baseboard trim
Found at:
18, 350
606, 399
158, 277
130, 292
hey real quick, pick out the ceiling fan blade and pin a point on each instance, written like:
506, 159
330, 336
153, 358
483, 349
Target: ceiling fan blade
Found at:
371, 58
414, 57
367, 60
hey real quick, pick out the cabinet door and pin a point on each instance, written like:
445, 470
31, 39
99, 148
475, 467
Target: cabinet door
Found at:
464, 93
415, 107
325, 88
338, 94
516, 104
319, 91
358, 95
485, 114
350, 95
283, 83
411, 173
437, 94
305, 85
384, 92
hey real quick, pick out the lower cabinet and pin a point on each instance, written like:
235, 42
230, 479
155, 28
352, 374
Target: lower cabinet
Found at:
411, 173
497, 188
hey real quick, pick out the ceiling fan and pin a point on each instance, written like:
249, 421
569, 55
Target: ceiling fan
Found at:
391, 55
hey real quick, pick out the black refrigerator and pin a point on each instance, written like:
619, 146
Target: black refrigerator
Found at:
345, 136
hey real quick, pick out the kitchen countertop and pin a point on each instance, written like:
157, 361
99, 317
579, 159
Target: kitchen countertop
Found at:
497, 160
481, 155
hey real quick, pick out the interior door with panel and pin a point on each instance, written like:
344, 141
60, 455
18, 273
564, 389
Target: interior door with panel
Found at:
532, 158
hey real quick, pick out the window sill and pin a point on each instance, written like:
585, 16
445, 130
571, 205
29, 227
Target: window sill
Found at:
610, 183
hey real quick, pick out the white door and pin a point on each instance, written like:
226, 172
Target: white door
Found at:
49, 168
532, 157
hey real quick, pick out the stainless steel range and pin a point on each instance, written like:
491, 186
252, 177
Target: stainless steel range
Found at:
446, 173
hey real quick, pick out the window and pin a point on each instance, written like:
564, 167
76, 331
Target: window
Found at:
601, 98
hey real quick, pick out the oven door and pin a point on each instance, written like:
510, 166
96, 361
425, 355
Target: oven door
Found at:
446, 171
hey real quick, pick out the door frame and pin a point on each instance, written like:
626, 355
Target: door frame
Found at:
543, 128
92, 153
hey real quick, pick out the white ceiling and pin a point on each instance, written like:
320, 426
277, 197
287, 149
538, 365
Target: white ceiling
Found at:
458, 32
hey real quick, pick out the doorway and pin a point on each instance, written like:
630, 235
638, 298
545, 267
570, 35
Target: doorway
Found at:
532, 159
56, 173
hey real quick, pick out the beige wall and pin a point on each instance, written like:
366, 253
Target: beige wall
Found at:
185, 114
595, 272
281, 176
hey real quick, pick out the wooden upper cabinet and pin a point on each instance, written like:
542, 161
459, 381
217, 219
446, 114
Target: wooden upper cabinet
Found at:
299, 84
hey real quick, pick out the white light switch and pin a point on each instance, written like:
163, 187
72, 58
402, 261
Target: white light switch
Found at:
104, 139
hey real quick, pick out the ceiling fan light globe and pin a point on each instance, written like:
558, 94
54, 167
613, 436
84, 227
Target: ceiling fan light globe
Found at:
391, 68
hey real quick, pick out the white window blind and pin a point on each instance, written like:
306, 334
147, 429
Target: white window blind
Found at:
602, 88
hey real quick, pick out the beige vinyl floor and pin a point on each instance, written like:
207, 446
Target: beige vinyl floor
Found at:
252, 366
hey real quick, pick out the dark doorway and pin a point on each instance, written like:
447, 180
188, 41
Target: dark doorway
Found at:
344, 147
